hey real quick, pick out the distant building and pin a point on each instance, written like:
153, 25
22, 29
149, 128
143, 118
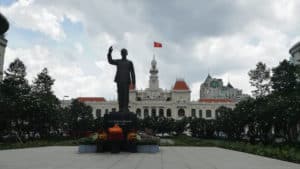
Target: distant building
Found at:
295, 54
213, 88
174, 103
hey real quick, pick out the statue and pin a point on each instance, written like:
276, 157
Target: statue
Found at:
4, 25
124, 77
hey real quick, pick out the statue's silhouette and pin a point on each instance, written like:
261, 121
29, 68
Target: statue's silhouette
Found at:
4, 25
124, 77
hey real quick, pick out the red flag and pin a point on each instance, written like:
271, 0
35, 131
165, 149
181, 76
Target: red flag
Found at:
157, 45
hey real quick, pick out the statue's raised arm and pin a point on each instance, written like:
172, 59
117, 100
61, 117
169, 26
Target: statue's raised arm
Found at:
109, 57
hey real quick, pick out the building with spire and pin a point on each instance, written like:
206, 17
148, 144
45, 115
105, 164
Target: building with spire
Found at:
213, 88
174, 102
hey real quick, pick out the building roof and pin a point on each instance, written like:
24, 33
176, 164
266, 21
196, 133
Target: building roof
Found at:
207, 78
91, 99
229, 85
215, 100
181, 85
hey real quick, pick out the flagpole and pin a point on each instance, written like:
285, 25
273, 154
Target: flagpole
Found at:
153, 49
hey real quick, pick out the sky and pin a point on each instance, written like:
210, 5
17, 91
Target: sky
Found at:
225, 38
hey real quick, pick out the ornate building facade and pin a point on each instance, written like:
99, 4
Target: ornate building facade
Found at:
174, 103
213, 88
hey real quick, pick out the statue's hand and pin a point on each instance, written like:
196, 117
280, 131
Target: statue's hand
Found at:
110, 49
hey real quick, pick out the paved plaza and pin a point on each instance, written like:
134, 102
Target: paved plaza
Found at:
167, 158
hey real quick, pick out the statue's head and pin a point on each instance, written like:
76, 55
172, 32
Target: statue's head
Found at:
124, 53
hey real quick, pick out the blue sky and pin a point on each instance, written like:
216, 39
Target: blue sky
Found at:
223, 38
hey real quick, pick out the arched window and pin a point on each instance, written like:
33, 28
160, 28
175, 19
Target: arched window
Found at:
98, 113
181, 113
146, 113
200, 114
193, 112
208, 113
153, 112
138, 112
169, 113
161, 112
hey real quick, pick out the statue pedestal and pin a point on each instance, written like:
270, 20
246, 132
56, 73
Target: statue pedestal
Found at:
126, 120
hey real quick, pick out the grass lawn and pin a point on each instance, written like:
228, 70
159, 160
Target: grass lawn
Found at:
283, 152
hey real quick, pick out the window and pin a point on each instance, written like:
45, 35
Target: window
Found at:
138, 112
106, 111
153, 112
208, 113
181, 113
98, 113
161, 112
113, 109
193, 113
146, 113
169, 113
200, 114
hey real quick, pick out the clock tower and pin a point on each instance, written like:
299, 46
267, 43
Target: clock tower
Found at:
153, 81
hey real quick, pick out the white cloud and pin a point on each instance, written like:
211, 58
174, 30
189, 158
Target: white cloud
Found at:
70, 79
26, 14
230, 44
79, 48
195, 88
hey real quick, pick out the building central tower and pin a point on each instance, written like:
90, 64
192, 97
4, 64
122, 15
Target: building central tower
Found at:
153, 81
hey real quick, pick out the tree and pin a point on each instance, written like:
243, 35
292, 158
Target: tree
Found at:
15, 102
165, 125
284, 77
226, 121
197, 127
285, 83
260, 79
264, 115
180, 125
247, 117
81, 117
46, 114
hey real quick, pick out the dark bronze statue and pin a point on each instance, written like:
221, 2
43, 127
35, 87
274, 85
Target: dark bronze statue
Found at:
4, 25
124, 77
